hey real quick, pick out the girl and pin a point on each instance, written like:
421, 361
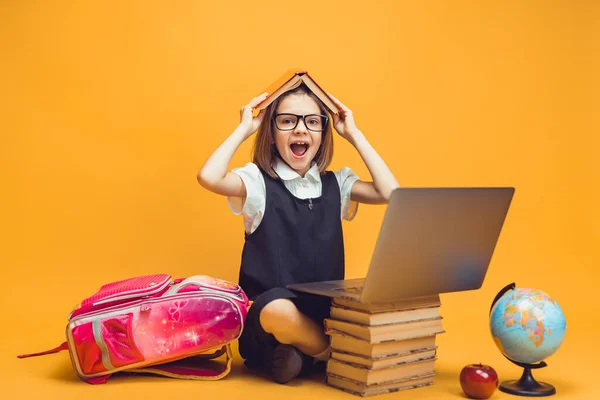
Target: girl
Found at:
292, 209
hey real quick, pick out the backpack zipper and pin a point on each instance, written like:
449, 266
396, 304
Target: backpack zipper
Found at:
157, 288
118, 309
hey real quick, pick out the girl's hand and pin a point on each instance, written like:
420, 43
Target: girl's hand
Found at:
248, 123
344, 122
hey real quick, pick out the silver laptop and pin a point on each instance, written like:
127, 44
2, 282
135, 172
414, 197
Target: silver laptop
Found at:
431, 241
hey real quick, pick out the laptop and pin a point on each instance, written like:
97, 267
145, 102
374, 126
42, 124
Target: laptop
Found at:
431, 241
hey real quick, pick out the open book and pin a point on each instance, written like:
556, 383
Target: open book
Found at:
291, 80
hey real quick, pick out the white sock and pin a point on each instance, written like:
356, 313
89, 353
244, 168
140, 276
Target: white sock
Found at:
323, 356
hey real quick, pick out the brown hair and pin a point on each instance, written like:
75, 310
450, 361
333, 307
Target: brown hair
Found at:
264, 150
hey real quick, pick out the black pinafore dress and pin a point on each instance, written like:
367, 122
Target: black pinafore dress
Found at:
297, 241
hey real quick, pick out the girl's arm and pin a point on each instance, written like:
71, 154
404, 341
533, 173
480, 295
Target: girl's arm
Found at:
214, 174
384, 182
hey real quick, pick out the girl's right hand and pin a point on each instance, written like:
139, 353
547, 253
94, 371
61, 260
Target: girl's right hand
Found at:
248, 123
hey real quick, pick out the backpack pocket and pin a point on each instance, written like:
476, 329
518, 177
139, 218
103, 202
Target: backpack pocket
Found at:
103, 344
85, 352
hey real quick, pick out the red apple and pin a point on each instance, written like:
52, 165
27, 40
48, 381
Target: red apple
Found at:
478, 381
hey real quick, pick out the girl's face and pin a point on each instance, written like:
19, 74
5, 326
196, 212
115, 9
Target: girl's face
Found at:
298, 147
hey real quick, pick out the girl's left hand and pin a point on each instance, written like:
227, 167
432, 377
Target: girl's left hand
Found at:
344, 122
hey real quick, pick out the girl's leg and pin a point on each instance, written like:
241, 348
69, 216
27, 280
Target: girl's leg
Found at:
289, 325
263, 349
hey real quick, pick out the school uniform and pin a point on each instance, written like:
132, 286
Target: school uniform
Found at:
293, 234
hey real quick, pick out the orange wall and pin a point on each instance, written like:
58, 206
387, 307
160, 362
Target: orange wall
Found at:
109, 110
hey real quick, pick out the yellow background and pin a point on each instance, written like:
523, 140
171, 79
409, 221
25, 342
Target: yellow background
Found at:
108, 110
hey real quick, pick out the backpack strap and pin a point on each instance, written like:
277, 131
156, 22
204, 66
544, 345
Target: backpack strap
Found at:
63, 346
200, 367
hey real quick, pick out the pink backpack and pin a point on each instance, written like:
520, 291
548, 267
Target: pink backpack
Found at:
155, 324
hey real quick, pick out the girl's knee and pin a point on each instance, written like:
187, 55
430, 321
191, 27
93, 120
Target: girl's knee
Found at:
278, 316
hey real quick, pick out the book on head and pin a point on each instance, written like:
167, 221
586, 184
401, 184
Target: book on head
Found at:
291, 79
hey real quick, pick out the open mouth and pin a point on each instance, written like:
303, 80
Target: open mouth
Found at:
299, 148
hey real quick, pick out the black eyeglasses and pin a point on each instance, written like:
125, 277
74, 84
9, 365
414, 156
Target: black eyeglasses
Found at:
313, 122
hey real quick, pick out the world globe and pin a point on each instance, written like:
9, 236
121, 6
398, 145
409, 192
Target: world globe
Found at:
528, 326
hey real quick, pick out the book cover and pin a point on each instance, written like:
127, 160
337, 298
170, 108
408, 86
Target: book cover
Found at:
381, 333
358, 388
378, 376
383, 362
291, 79
342, 342
406, 304
382, 318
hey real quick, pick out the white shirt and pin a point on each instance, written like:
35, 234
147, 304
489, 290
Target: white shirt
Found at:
253, 208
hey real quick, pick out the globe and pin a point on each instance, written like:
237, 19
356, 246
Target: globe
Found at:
528, 326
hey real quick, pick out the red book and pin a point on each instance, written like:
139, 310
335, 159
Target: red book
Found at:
291, 79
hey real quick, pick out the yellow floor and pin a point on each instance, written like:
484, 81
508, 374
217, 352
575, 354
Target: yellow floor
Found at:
571, 370
109, 109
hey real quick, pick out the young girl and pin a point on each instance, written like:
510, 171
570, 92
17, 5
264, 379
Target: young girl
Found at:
292, 209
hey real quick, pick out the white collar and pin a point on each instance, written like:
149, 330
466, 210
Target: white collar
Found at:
286, 172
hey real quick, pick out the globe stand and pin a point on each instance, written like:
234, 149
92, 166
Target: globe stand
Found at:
527, 385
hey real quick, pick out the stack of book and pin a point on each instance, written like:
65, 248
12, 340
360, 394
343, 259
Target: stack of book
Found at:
382, 348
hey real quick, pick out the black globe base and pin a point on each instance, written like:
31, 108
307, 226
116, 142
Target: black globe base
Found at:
527, 386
